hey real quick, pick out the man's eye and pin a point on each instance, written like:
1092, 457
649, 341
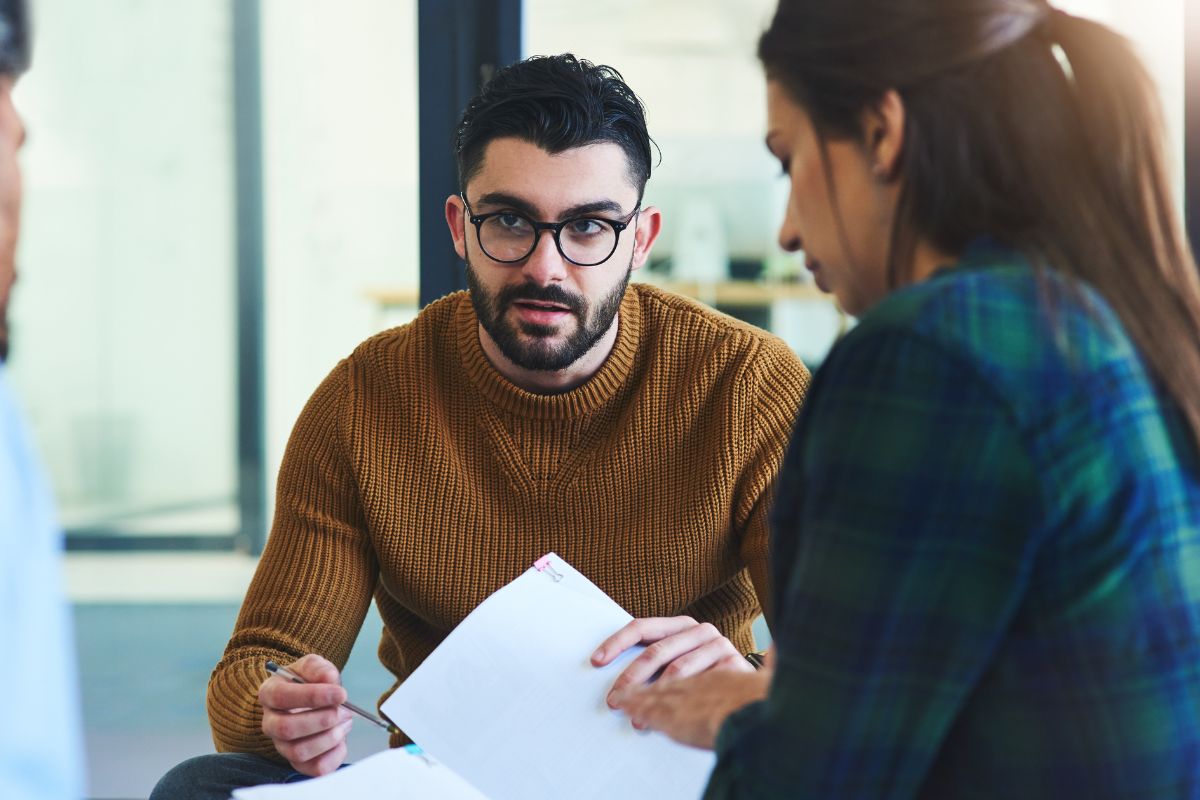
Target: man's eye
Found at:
510, 220
585, 227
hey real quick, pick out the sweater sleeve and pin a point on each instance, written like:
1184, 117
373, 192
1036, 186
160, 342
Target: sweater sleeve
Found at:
774, 388
316, 577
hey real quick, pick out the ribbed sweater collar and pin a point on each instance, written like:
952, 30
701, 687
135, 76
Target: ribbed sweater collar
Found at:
592, 394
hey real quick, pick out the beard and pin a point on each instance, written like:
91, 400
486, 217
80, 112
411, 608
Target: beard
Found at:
536, 351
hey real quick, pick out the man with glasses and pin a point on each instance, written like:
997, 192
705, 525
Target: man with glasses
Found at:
552, 407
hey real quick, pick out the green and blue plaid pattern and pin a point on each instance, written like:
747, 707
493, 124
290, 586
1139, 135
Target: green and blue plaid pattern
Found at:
986, 558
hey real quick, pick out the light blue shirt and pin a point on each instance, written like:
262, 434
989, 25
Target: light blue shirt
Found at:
40, 738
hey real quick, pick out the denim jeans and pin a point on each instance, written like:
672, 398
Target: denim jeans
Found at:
215, 776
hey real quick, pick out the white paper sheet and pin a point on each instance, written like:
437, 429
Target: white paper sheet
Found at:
511, 702
390, 774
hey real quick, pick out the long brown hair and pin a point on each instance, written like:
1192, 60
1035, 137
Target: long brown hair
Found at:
1023, 123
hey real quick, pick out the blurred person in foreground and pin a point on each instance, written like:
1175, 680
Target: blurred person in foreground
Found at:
40, 740
986, 543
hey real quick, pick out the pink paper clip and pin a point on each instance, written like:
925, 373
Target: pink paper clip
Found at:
543, 565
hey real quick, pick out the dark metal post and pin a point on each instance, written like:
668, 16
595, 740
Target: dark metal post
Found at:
248, 170
461, 43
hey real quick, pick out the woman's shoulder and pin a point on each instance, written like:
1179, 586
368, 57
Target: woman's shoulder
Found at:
1041, 342
1004, 315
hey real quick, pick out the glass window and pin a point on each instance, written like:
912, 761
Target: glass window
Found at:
125, 317
124, 323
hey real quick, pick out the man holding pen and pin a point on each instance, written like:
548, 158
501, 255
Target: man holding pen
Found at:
552, 407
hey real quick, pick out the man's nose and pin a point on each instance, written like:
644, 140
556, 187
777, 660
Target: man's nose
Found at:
545, 265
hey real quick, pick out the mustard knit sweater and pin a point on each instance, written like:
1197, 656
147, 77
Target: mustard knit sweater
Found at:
419, 476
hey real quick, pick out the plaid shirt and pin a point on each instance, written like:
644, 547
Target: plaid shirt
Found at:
986, 558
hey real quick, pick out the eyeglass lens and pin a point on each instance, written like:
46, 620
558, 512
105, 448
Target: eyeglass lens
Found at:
511, 237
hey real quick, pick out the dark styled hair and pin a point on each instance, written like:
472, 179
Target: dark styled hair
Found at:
1022, 123
557, 103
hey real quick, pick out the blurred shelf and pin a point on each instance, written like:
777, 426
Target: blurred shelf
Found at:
722, 293
392, 296
743, 293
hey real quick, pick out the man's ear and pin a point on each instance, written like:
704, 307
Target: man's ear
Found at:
649, 225
456, 221
883, 134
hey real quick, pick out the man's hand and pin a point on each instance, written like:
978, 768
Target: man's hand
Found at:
675, 646
691, 711
306, 720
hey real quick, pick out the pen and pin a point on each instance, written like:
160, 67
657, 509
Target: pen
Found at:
283, 672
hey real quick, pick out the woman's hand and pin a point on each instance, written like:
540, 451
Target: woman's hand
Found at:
676, 647
692, 710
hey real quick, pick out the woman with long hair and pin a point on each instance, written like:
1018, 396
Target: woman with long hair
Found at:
986, 550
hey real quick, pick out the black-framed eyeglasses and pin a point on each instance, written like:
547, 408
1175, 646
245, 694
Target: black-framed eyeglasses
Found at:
509, 236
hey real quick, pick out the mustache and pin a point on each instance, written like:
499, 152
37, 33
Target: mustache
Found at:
543, 294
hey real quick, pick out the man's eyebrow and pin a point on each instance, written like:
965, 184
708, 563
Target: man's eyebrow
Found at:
517, 204
505, 200
595, 207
